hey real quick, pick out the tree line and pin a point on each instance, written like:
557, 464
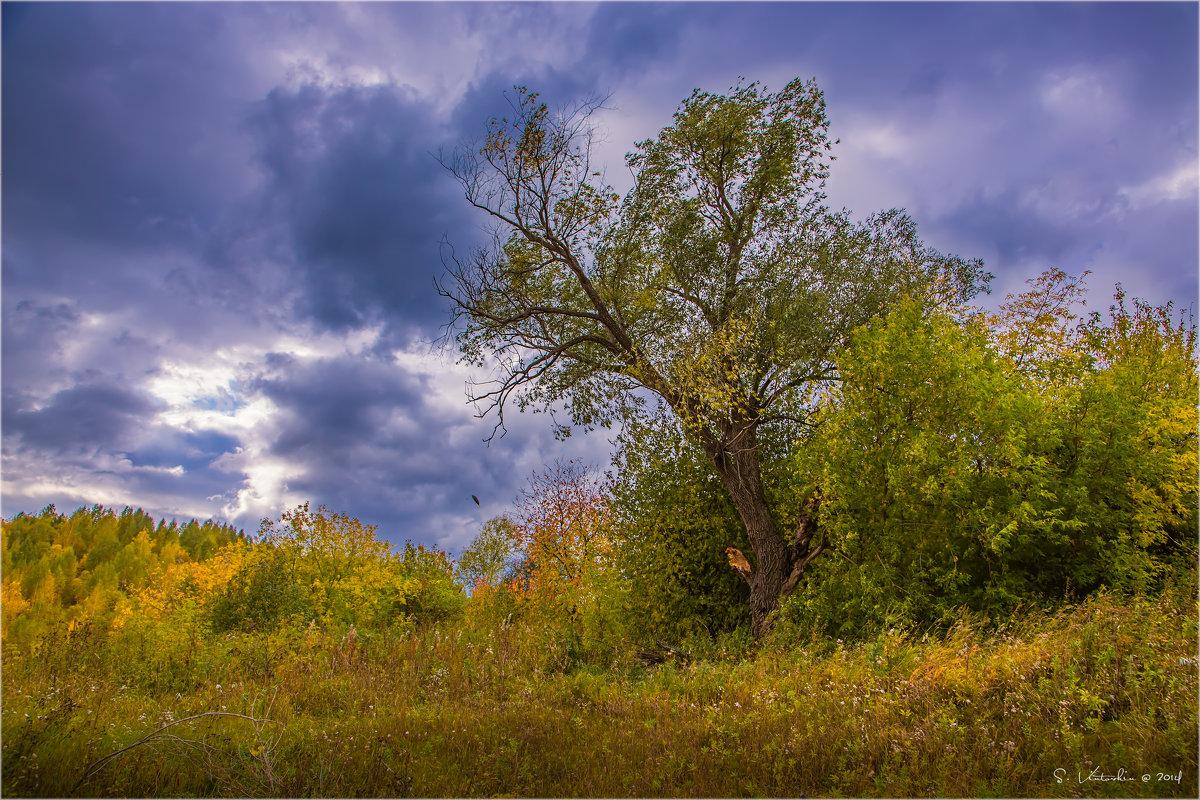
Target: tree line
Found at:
116, 578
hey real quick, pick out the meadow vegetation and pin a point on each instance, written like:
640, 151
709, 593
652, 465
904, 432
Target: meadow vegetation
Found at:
492, 705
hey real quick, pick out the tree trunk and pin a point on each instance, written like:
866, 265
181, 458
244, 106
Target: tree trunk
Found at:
739, 469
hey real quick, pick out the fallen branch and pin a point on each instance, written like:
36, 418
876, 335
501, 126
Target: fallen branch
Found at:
660, 652
156, 736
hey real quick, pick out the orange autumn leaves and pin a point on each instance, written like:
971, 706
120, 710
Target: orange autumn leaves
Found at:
561, 531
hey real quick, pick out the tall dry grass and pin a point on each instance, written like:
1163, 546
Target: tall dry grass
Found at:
1048, 706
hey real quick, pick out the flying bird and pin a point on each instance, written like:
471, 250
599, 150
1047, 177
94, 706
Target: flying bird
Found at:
476, 499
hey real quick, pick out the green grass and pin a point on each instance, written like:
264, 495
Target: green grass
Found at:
475, 709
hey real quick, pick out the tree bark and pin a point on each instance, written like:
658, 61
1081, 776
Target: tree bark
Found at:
739, 469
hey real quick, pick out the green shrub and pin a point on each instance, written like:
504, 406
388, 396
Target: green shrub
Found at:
265, 591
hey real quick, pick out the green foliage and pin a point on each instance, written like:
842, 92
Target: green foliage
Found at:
1129, 448
489, 555
563, 572
82, 569
988, 466
674, 521
261, 595
326, 568
432, 594
921, 450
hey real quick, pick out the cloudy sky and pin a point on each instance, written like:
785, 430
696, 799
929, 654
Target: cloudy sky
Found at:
221, 222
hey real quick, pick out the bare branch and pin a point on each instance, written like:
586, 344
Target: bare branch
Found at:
157, 735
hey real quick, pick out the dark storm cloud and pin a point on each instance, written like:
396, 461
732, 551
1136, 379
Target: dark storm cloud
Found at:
491, 96
397, 446
1002, 224
194, 451
80, 420
373, 437
126, 158
32, 335
57, 407
120, 121
363, 200
173, 463
627, 38
330, 404
77, 424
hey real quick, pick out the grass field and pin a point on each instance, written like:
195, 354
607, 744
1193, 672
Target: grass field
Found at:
1097, 700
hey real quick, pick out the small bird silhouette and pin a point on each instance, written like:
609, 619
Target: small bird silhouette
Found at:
476, 499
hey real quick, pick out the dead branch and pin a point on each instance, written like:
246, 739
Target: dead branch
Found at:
159, 736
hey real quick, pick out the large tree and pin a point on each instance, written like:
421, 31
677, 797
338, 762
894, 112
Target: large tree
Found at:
721, 283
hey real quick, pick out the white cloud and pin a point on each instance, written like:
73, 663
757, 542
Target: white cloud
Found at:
1179, 183
210, 392
1084, 99
264, 489
1064, 198
437, 50
106, 480
1061, 90
885, 141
